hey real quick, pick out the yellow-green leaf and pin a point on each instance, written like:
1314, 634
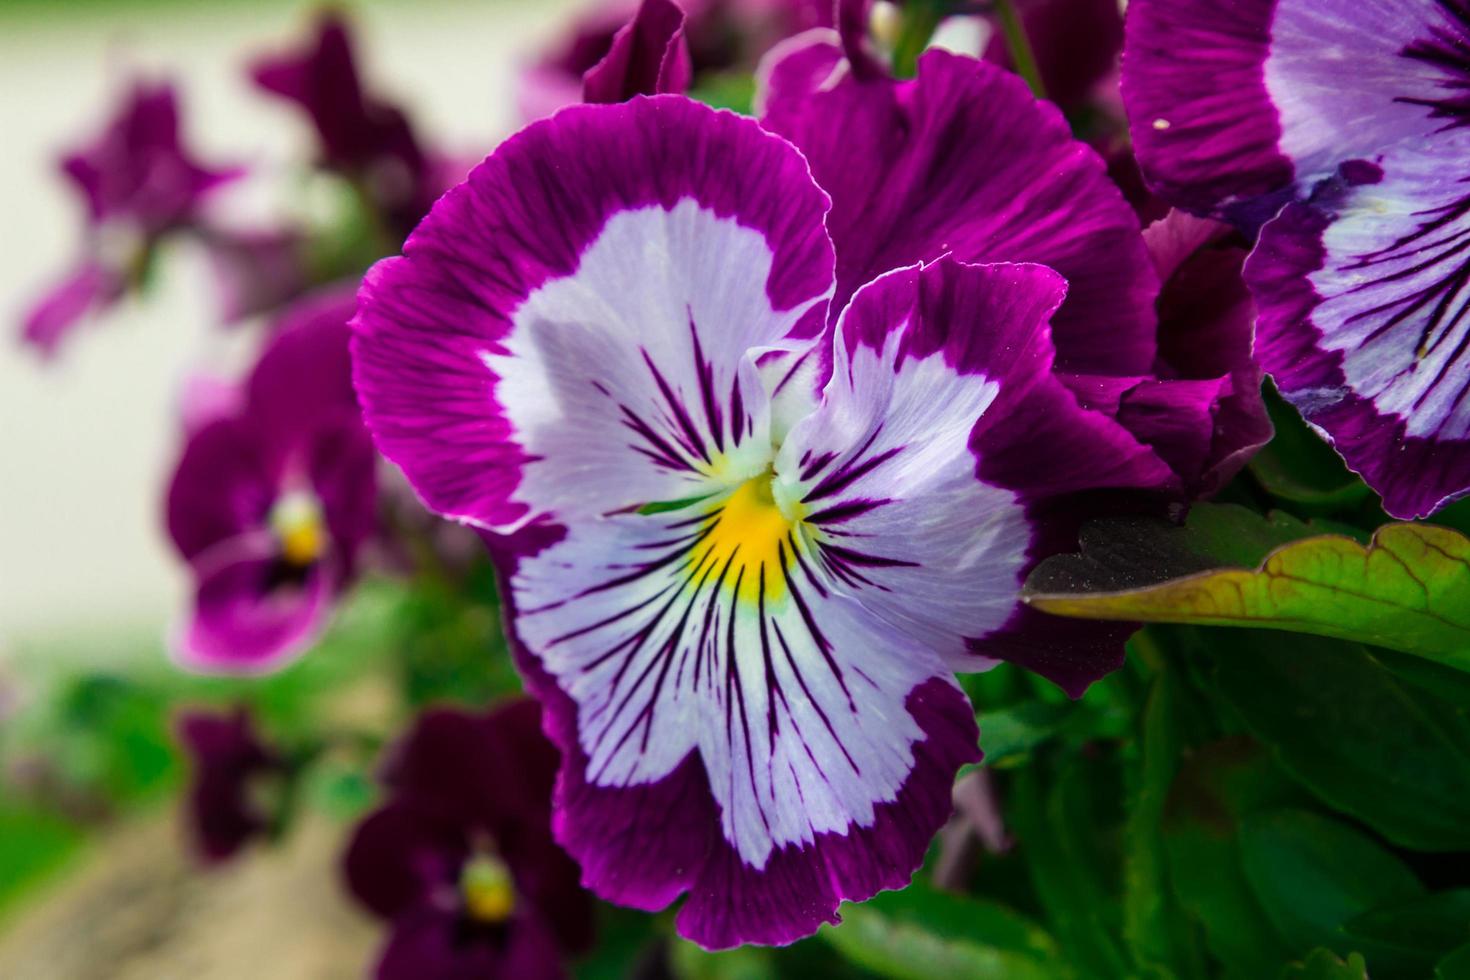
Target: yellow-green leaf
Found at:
1408, 590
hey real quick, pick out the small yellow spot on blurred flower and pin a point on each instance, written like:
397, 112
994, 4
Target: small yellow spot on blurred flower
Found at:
296, 520
486, 889
1161, 124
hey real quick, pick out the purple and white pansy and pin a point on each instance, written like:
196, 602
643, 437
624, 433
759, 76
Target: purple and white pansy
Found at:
745, 537
1343, 128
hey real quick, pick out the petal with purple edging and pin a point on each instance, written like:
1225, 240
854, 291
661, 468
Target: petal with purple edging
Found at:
1234, 105
700, 655
947, 163
568, 332
1363, 296
252, 610
907, 477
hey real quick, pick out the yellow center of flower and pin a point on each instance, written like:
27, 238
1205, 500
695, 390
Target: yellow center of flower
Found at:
296, 521
486, 889
747, 544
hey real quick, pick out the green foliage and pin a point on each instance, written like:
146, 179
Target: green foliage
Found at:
1408, 589
1298, 467
924, 934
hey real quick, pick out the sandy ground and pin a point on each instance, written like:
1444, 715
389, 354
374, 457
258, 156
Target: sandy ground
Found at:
139, 909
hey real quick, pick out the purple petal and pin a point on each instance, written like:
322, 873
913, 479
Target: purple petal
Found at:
137, 170
947, 163
1363, 323
303, 379
252, 613
1235, 106
644, 843
649, 56
221, 488
225, 755
942, 556
86, 289
457, 341
428, 944
403, 856
1207, 331
370, 139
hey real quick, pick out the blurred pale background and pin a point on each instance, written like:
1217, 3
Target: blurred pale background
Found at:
86, 441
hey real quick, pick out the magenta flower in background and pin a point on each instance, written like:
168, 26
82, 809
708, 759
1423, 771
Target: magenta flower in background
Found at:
720, 35
139, 184
230, 771
271, 504
459, 860
367, 139
1352, 116
747, 531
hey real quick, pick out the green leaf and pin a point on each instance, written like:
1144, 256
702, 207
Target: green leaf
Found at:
1355, 734
746, 963
1063, 810
1416, 933
1153, 924
1408, 590
924, 934
1323, 964
1297, 465
1312, 874
1222, 783
1455, 966
728, 90
33, 844
1010, 733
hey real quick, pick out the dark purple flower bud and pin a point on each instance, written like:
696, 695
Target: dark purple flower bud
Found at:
460, 860
367, 139
719, 35
233, 771
271, 504
1075, 42
648, 56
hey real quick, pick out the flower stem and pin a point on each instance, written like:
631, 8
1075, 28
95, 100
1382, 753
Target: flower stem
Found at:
1023, 58
920, 19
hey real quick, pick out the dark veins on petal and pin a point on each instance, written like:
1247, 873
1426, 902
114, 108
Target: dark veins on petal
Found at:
1441, 244
741, 550
1447, 48
674, 441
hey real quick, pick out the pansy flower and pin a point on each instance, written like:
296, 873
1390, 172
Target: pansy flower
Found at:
1353, 117
138, 183
232, 769
459, 860
746, 532
270, 504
